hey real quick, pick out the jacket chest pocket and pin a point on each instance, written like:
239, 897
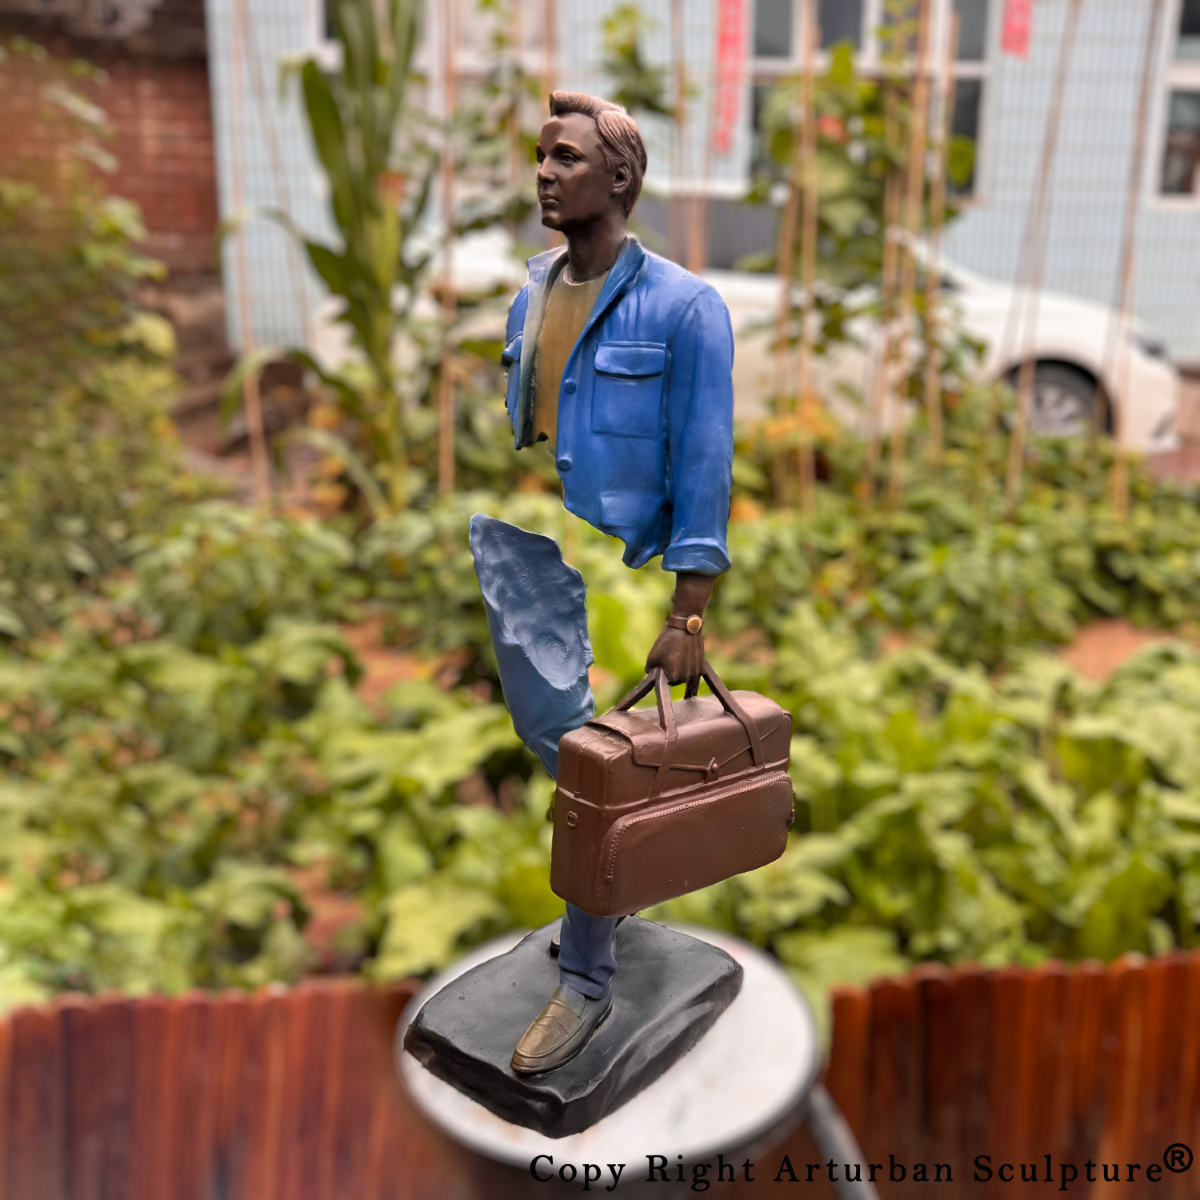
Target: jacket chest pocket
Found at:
627, 400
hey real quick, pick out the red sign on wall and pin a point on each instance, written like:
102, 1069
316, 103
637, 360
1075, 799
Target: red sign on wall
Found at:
731, 58
1015, 27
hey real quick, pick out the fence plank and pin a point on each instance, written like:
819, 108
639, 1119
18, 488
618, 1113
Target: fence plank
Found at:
6, 1094
155, 1041
1083, 1062
349, 1159
1009, 1069
229, 1051
846, 1075
1120, 1066
99, 1057
896, 1089
36, 1112
274, 1030
191, 1095
1159, 1098
1185, 1125
313, 1076
1048, 1102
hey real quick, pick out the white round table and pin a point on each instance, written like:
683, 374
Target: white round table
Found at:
740, 1082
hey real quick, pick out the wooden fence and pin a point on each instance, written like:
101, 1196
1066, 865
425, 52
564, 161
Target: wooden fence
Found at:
291, 1095
1087, 1063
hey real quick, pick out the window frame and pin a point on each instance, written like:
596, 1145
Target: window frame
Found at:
1174, 75
766, 72
325, 50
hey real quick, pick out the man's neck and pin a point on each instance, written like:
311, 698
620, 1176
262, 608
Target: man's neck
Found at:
592, 249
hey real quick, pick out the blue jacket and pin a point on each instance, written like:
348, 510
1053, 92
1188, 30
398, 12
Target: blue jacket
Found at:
645, 410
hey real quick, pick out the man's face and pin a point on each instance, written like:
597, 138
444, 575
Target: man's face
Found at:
575, 185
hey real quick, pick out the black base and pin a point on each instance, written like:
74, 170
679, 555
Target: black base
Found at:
668, 991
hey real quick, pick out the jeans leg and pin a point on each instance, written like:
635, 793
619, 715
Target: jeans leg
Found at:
587, 959
538, 621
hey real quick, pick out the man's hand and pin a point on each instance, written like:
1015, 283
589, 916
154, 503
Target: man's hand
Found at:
679, 653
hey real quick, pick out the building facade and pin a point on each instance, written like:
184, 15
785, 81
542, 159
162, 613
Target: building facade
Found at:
732, 52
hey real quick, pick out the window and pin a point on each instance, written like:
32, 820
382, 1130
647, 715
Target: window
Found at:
857, 22
1187, 47
972, 30
970, 80
772, 28
1179, 172
323, 43
1181, 148
964, 129
841, 21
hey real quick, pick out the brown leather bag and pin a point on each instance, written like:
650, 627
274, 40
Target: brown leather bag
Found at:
652, 805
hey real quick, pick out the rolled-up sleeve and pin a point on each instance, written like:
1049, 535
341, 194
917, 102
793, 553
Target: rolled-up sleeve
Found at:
700, 436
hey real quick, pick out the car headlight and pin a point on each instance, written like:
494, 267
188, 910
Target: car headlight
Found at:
1149, 345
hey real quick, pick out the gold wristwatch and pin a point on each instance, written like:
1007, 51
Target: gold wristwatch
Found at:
692, 624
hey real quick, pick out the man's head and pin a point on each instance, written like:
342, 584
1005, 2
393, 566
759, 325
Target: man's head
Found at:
590, 161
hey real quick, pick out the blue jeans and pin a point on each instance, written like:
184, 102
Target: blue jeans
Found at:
538, 621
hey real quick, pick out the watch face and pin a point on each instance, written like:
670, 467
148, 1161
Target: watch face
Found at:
694, 624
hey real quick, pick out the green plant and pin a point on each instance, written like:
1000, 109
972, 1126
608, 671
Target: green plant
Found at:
206, 799
354, 117
381, 155
639, 86
88, 458
945, 816
233, 814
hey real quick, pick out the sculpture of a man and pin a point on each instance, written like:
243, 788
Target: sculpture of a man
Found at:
622, 362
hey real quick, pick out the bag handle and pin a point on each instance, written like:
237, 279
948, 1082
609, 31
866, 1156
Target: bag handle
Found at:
657, 679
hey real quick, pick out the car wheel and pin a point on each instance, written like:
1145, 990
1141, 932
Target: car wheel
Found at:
1064, 403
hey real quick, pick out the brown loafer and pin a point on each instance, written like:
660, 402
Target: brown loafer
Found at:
560, 1032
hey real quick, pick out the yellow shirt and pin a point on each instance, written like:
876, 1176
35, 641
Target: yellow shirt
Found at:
567, 310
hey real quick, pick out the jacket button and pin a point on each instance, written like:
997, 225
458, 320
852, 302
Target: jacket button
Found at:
568, 386
563, 463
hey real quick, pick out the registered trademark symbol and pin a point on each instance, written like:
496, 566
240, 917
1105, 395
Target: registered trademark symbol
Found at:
1177, 1157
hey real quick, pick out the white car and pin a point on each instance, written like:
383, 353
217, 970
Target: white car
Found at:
1070, 350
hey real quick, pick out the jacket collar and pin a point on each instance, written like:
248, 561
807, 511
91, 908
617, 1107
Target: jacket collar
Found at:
544, 269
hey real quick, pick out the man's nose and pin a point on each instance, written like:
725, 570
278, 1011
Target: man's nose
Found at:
544, 173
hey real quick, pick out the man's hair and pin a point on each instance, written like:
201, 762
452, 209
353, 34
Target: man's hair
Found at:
620, 142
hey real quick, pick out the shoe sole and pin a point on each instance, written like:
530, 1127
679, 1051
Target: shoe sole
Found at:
574, 1053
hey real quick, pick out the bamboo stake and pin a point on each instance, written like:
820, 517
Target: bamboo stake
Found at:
913, 204
449, 301
260, 459
808, 260
516, 160
676, 233
550, 45
1118, 331
515, 56
887, 286
699, 227
937, 223
1036, 229
550, 77
785, 265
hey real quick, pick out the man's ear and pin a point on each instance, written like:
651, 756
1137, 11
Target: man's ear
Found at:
621, 180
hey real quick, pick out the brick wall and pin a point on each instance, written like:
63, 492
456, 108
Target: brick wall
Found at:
161, 113
157, 99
